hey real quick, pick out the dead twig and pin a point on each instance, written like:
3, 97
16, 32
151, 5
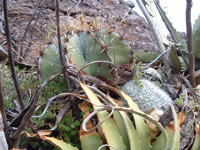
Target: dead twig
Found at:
64, 68
189, 43
60, 47
22, 120
10, 53
151, 63
188, 85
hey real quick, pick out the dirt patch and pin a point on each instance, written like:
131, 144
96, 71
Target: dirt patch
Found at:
31, 21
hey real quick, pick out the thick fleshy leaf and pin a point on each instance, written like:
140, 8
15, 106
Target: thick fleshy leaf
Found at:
122, 128
75, 53
93, 52
169, 26
196, 37
158, 144
145, 57
126, 129
174, 59
51, 63
141, 126
58, 143
109, 128
196, 144
172, 30
176, 138
94, 48
196, 42
156, 19
89, 140
85, 48
134, 140
173, 134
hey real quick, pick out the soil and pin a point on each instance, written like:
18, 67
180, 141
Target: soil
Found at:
31, 21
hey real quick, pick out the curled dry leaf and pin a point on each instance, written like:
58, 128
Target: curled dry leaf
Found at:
182, 117
155, 113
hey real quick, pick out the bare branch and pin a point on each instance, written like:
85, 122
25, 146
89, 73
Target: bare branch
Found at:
28, 112
60, 47
64, 66
189, 43
10, 53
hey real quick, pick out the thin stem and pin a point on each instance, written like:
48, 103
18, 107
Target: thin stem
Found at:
10, 54
28, 112
60, 47
64, 67
189, 43
2, 106
168, 49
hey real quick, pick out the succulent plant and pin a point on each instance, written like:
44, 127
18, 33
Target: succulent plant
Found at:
85, 45
85, 48
176, 58
177, 61
147, 95
119, 131
196, 44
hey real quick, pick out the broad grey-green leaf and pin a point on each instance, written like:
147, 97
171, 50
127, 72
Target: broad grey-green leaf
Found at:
176, 64
51, 63
145, 57
156, 19
86, 48
196, 37
75, 53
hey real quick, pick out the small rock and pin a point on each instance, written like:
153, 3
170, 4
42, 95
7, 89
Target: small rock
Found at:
130, 4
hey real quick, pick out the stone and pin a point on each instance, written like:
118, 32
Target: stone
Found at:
30, 21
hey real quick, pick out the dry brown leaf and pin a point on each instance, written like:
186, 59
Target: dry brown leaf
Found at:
152, 127
197, 129
182, 117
